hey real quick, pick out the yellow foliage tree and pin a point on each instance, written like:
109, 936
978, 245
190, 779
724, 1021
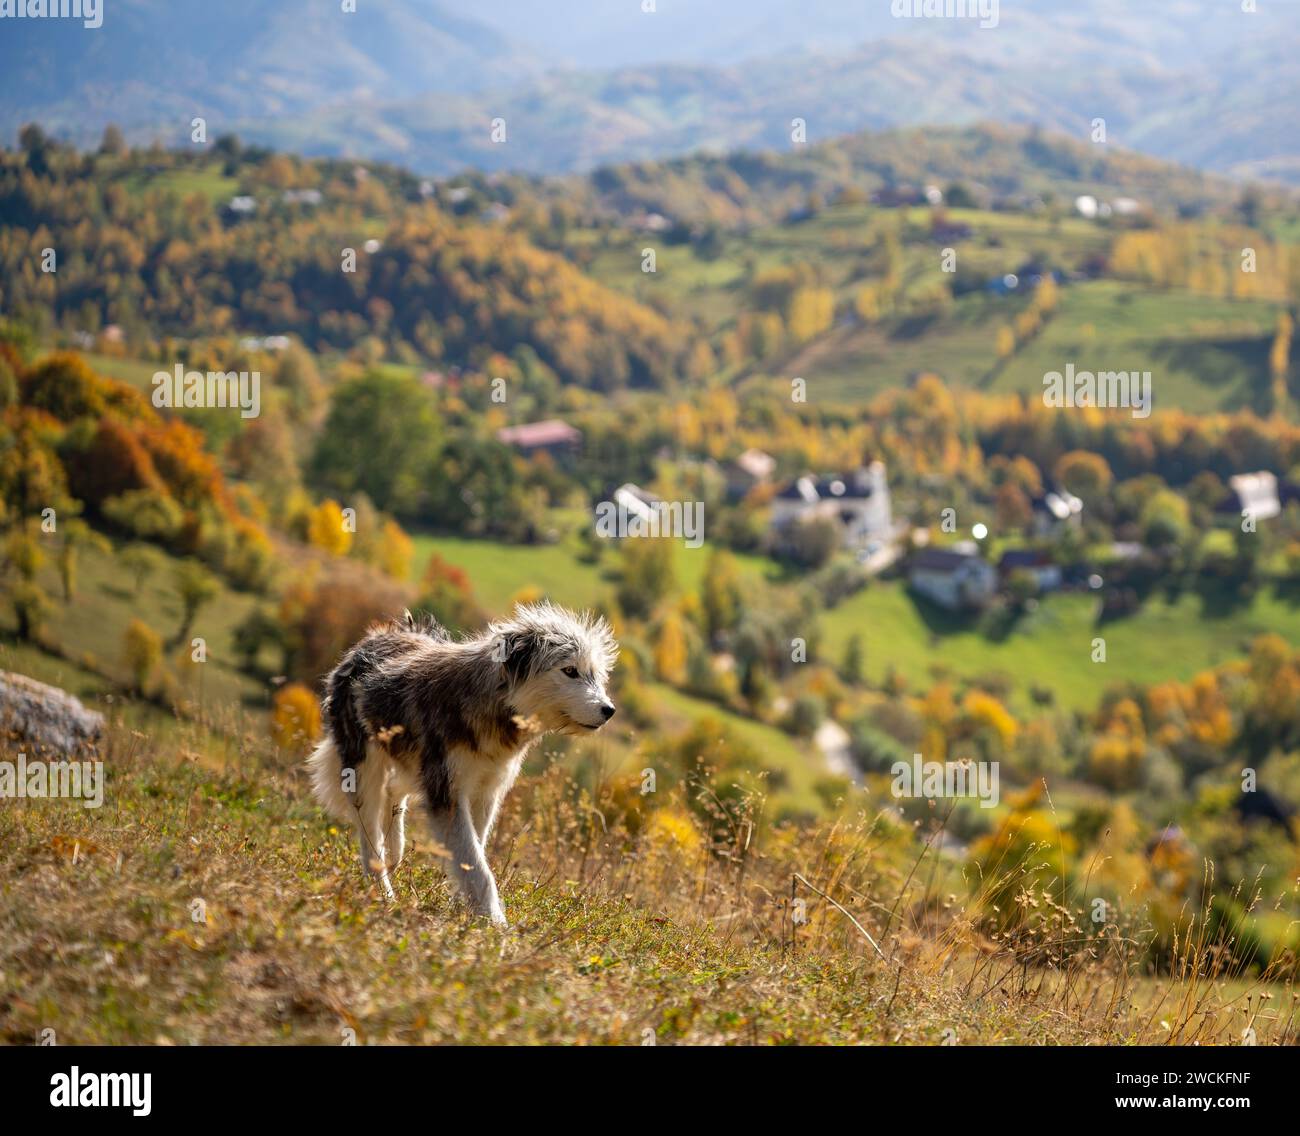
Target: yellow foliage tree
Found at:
670, 649
812, 311
867, 303
395, 551
295, 718
142, 651
1279, 361
326, 529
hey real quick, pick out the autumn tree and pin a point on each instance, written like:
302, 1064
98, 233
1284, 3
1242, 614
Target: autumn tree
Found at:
671, 649
446, 593
327, 530
295, 718
1279, 361
24, 558
1085, 474
142, 651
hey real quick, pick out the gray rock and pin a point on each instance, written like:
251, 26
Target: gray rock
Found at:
45, 717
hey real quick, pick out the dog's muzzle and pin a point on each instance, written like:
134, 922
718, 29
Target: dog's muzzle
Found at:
606, 713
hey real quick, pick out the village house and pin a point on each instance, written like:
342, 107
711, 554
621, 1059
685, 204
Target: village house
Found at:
552, 436
1257, 495
1053, 510
944, 230
956, 577
857, 503
1038, 565
752, 468
635, 501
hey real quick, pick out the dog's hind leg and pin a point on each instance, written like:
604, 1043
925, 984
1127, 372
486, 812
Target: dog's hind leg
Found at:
373, 814
468, 867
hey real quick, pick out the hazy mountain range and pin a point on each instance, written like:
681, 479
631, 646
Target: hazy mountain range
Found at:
584, 82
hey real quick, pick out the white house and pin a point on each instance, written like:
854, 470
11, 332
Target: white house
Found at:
858, 503
956, 578
1253, 494
637, 502
1054, 509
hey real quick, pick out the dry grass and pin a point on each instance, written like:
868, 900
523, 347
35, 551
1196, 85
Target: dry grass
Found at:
627, 927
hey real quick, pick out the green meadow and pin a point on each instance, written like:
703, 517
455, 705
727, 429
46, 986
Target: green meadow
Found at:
498, 573
1052, 646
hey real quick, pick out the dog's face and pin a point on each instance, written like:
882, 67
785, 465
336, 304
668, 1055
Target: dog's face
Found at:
569, 697
558, 665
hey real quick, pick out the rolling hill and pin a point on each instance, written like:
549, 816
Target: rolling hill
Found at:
154, 65
420, 83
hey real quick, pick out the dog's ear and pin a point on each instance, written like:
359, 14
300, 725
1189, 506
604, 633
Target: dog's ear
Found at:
516, 653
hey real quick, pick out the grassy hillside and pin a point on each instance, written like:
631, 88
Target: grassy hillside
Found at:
90, 630
209, 902
1205, 353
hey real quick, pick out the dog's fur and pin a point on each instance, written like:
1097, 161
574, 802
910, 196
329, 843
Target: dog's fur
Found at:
412, 713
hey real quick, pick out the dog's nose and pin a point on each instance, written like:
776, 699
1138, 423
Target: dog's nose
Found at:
608, 711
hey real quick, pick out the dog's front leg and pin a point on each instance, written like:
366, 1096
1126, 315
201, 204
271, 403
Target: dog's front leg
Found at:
395, 833
469, 866
484, 813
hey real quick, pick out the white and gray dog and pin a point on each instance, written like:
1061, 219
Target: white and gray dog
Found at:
412, 713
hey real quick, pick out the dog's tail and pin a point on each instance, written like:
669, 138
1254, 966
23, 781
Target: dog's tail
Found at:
344, 744
326, 769
341, 713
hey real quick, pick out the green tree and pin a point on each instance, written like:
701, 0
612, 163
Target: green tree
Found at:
648, 575
1165, 519
720, 592
382, 438
76, 536
854, 662
142, 561
195, 586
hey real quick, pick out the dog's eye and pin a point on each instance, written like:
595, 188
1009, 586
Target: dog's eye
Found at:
572, 672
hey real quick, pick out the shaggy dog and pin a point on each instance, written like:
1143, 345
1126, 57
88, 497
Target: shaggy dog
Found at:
410, 712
